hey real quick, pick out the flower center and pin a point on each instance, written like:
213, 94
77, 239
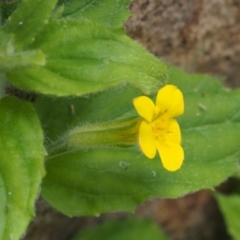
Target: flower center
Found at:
159, 127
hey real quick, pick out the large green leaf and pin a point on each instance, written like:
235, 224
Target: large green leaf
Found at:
85, 57
130, 229
112, 13
28, 20
21, 166
94, 181
230, 206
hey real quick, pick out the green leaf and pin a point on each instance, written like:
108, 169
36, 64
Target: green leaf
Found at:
104, 180
94, 181
85, 57
6, 9
230, 207
111, 13
28, 20
194, 82
10, 59
130, 229
3, 84
21, 166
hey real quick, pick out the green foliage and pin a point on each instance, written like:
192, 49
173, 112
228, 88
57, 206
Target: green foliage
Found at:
21, 165
73, 48
3, 83
130, 229
6, 9
10, 59
115, 16
88, 57
99, 180
74, 56
230, 206
28, 20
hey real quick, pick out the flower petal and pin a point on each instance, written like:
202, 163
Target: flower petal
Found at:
173, 132
170, 100
146, 139
172, 156
145, 107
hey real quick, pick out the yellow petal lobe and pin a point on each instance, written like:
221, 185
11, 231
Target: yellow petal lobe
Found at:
173, 133
172, 156
145, 107
170, 100
147, 141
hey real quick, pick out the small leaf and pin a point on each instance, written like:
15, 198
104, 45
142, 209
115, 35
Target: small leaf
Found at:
28, 20
130, 229
111, 13
85, 57
21, 166
230, 206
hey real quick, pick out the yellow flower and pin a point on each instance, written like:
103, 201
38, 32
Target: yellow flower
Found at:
158, 130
